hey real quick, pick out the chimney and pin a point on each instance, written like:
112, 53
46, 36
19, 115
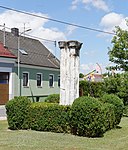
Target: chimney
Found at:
15, 31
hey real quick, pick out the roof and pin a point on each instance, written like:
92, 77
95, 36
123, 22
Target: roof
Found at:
4, 52
37, 53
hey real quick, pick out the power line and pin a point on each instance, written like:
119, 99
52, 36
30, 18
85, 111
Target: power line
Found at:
40, 38
59, 21
32, 36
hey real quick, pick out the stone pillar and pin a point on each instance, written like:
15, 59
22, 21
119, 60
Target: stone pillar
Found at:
69, 71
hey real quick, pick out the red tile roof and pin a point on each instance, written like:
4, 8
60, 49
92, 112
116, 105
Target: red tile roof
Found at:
4, 52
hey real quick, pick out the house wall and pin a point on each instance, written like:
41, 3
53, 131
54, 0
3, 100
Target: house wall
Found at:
7, 65
32, 90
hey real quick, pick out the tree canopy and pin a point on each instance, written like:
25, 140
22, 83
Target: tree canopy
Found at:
118, 54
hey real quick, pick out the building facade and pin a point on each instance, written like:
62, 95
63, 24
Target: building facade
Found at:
27, 68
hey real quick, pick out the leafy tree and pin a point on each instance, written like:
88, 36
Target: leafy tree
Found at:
118, 85
118, 54
81, 75
123, 88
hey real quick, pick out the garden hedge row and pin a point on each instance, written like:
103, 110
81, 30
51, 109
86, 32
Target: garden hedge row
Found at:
87, 116
53, 98
94, 89
49, 117
117, 84
117, 103
17, 111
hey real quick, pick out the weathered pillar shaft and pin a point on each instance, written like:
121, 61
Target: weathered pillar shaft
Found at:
69, 71
63, 48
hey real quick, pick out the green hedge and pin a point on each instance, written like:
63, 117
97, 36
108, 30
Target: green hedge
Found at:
87, 117
94, 89
17, 111
49, 117
109, 116
118, 85
125, 112
117, 103
53, 98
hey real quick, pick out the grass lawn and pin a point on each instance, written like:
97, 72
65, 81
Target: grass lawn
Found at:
116, 139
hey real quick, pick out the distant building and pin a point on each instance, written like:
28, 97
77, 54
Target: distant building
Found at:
94, 77
34, 73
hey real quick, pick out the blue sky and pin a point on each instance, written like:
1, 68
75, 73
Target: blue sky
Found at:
98, 14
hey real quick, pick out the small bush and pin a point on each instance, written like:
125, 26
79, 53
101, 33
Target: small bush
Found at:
125, 110
109, 116
49, 117
53, 98
87, 117
17, 111
118, 105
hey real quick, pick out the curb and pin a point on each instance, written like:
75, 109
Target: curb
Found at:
2, 106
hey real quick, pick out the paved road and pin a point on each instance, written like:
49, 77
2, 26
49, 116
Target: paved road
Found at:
2, 112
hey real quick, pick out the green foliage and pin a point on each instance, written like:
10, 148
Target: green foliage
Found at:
126, 110
49, 117
111, 83
117, 103
119, 52
109, 116
94, 89
53, 98
81, 75
17, 111
117, 85
87, 117
123, 87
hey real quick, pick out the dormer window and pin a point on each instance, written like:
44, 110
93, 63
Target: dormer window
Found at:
23, 52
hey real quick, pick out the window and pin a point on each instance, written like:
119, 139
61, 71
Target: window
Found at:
39, 79
4, 78
51, 80
58, 80
25, 79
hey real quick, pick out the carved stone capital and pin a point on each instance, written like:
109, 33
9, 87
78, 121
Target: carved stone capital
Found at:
70, 44
74, 44
62, 44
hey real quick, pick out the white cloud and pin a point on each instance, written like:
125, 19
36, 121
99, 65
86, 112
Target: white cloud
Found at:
84, 68
109, 21
87, 68
89, 53
99, 4
70, 30
74, 4
15, 19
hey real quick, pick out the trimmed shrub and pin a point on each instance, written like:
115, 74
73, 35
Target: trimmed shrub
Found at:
17, 111
87, 117
125, 110
49, 117
109, 116
118, 105
53, 98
